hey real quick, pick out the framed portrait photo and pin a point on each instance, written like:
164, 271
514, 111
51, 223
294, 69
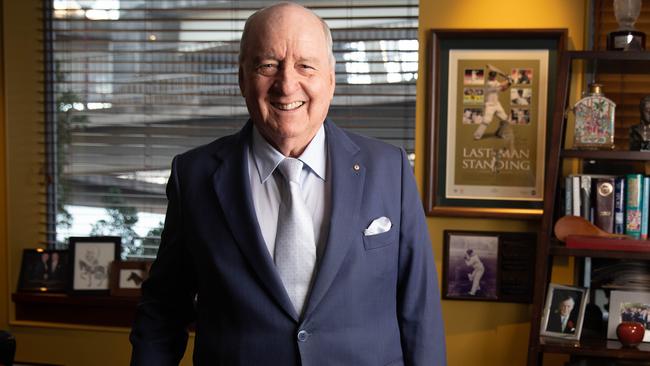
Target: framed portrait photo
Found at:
564, 311
628, 306
44, 271
91, 258
489, 93
127, 277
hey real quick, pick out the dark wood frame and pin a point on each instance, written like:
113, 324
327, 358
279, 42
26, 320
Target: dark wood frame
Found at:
24, 268
515, 265
553, 40
75, 242
116, 269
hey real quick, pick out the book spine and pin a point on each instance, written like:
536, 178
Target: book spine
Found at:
633, 194
576, 195
619, 205
605, 204
585, 197
644, 208
568, 196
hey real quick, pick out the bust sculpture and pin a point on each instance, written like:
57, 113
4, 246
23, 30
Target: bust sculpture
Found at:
640, 134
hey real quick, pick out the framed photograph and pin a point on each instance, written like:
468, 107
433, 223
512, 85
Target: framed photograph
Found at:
488, 266
628, 306
91, 259
564, 311
489, 93
44, 271
127, 277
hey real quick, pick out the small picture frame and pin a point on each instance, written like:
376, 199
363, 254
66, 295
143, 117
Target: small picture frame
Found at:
470, 266
91, 260
127, 277
628, 306
564, 311
44, 271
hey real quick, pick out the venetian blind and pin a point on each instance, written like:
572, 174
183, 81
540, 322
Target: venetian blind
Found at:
624, 89
134, 82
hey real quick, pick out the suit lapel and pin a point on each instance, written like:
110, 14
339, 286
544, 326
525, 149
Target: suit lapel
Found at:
232, 185
347, 174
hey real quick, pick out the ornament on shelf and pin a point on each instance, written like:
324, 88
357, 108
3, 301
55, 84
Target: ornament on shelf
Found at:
594, 124
630, 334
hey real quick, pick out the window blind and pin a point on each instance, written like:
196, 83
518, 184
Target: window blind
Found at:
131, 83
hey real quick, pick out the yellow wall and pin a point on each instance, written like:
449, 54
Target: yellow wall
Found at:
478, 333
484, 333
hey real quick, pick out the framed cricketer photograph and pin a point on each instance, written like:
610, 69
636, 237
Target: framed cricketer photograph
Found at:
490, 93
488, 265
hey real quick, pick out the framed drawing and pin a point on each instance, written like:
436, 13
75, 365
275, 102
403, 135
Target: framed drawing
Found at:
564, 311
628, 306
91, 258
127, 277
488, 266
489, 97
44, 271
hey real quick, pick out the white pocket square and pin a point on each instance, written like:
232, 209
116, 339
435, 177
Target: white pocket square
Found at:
378, 226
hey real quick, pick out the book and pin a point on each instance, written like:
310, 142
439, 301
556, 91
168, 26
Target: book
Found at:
585, 197
604, 204
576, 194
619, 205
568, 195
633, 194
644, 207
605, 243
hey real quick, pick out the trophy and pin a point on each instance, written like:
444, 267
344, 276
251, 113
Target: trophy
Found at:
626, 38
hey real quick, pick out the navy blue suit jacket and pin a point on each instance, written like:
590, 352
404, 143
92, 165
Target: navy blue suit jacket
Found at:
374, 300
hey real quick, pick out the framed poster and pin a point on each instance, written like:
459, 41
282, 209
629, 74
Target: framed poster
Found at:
489, 102
488, 266
91, 260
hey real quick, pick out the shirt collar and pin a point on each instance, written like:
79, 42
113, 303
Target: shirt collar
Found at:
267, 157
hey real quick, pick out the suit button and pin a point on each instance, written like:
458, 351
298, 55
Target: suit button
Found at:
303, 335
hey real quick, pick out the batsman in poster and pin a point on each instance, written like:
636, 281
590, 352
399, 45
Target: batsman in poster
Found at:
493, 107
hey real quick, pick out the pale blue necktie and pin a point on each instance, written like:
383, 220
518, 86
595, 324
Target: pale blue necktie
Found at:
295, 247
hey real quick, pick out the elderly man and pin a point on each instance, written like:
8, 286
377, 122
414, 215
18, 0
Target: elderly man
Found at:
562, 319
291, 242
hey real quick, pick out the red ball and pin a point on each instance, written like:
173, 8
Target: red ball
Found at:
630, 333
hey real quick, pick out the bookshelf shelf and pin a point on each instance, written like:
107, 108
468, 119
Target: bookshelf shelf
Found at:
596, 348
563, 251
607, 155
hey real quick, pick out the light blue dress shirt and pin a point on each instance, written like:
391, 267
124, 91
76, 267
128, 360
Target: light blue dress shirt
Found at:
262, 161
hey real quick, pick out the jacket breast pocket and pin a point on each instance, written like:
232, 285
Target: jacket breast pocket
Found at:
380, 240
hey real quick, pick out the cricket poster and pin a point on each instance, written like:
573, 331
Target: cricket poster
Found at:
496, 124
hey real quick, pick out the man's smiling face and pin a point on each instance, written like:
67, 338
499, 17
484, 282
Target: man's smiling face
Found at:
287, 77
